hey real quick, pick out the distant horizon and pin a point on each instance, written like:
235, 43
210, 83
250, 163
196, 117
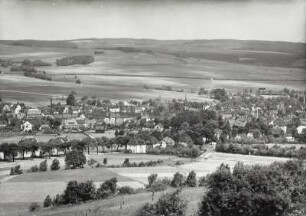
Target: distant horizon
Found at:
204, 39
156, 20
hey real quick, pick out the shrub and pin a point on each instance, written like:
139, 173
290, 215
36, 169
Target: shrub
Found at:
34, 169
125, 190
58, 200
127, 151
47, 202
55, 165
126, 162
178, 180
16, 170
107, 189
158, 185
75, 159
202, 181
71, 193
79, 192
87, 191
105, 161
91, 162
166, 181
191, 180
167, 205
151, 179
78, 81
98, 165
34, 207
177, 163
43, 166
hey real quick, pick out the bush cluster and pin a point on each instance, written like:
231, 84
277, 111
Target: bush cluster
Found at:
74, 60
125, 190
38, 75
177, 181
255, 190
181, 151
127, 163
81, 192
91, 162
262, 150
43, 167
169, 204
24, 68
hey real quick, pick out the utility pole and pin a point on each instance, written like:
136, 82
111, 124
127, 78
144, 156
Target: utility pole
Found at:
51, 106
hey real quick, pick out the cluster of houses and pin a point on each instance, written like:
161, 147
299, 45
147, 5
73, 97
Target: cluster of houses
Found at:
115, 113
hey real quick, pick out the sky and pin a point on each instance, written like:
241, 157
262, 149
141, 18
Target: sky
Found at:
273, 20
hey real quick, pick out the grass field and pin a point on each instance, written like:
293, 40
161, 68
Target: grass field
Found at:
34, 187
181, 65
109, 207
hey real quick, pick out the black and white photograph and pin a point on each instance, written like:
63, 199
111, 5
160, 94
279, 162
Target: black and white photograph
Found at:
153, 107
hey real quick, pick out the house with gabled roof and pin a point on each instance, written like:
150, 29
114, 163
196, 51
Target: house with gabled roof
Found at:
34, 113
71, 124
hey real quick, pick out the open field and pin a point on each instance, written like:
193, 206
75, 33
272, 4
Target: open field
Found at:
34, 187
182, 65
109, 207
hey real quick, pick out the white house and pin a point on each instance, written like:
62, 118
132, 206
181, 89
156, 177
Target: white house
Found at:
27, 126
137, 149
34, 113
114, 110
290, 139
71, 124
17, 109
301, 128
167, 141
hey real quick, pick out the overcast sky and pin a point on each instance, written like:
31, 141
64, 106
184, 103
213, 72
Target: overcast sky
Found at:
274, 20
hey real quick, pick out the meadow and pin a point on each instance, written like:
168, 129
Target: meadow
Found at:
34, 187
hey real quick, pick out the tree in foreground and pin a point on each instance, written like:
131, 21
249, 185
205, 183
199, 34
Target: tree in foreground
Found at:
75, 159
167, 205
255, 190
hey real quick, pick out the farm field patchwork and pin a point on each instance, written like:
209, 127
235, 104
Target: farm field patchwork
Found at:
54, 182
181, 66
